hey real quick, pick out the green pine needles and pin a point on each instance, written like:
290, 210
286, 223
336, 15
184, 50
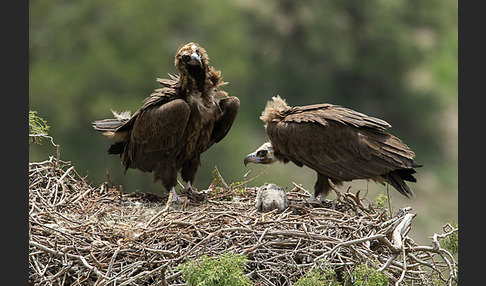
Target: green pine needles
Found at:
37, 126
324, 276
225, 270
450, 241
362, 275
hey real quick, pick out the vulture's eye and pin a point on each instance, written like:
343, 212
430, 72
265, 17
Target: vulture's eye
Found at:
262, 153
186, 58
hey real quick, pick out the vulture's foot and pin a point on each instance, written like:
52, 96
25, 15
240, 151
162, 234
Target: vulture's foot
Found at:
319, 201
176, 198
315, 202
193, 194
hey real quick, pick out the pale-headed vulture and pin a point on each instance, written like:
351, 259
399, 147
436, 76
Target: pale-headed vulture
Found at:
338, 143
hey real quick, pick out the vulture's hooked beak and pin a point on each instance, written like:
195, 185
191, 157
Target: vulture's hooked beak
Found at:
195, 60
251, 158
263, 155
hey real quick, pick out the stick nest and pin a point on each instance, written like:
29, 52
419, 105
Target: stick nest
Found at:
79, 234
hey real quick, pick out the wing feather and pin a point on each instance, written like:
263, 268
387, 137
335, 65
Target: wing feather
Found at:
156, 132
229, 108
338, 142
160, 96
320, 113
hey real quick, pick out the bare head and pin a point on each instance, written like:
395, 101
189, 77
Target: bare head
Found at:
263, 155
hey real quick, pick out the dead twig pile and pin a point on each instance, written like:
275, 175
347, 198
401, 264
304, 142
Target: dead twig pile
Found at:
82, 235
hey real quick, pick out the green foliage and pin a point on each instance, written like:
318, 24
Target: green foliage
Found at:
451, 241
381, 200
239, 187
37, 126
322, 277
363, 275
225, 270
217, 179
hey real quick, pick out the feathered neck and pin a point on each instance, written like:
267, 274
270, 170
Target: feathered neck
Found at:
198, 80
205, 85
275, 110
193, 80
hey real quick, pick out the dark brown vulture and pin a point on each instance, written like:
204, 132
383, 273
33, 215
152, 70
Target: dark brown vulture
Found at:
338, 143
176, 123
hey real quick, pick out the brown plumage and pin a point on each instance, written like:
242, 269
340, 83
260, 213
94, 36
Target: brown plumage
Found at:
338, 143
176, 123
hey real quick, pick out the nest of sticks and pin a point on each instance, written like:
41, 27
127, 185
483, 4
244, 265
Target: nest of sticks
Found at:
80, 234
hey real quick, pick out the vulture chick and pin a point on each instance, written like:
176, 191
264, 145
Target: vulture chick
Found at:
176, 123
338, 143
270, 197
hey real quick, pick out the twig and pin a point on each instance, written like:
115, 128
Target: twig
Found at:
299, 187
66, 173
166, 209
80, 258
262, 171
346, 243
220, 179
110, 181
388, 262
399, 231
404, 266
112, 260
333, 187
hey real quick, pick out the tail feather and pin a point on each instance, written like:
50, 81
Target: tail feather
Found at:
112, 124
406, 174
396, 179
107, 125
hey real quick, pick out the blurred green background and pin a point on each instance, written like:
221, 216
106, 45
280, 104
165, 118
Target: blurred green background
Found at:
396, 60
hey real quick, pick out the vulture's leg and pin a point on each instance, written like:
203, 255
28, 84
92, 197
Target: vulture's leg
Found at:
192, 194
189, 191
321, 188
188, 173
189, 170
166, 172
188, 187
175, 197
